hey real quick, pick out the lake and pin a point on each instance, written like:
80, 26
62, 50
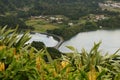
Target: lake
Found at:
49, 41
110, 41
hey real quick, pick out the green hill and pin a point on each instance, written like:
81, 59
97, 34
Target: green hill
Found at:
71, 8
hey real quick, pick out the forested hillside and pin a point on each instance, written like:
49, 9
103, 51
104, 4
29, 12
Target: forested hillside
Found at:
71, 8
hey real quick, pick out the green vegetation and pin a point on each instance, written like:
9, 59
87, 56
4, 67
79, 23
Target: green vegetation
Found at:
40, 25
38, 45
20, 61
111, 23
13, 21
54, 53
70, 8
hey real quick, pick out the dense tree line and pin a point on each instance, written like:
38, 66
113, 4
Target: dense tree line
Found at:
70, 8
111, 23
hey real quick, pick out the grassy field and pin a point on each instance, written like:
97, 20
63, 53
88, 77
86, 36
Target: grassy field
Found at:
41, 25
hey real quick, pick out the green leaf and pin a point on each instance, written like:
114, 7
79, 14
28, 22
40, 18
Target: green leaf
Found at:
71, 48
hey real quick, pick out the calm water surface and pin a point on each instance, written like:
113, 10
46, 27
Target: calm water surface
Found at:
49, 41
110, 41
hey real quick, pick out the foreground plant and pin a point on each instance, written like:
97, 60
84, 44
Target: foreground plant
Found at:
23, 62
15, 62
95, 65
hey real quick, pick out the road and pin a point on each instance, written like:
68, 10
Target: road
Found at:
58, 38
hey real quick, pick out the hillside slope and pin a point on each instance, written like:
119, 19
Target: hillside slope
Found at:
70, 8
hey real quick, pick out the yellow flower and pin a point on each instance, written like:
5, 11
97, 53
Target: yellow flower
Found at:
2, 66
2, 47
64, 64
38, 62
92, 74
55, 73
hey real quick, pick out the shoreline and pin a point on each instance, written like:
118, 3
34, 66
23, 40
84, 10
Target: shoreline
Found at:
59, 38
56, 37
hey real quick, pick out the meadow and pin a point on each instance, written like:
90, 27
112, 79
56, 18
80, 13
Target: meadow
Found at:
40, 25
